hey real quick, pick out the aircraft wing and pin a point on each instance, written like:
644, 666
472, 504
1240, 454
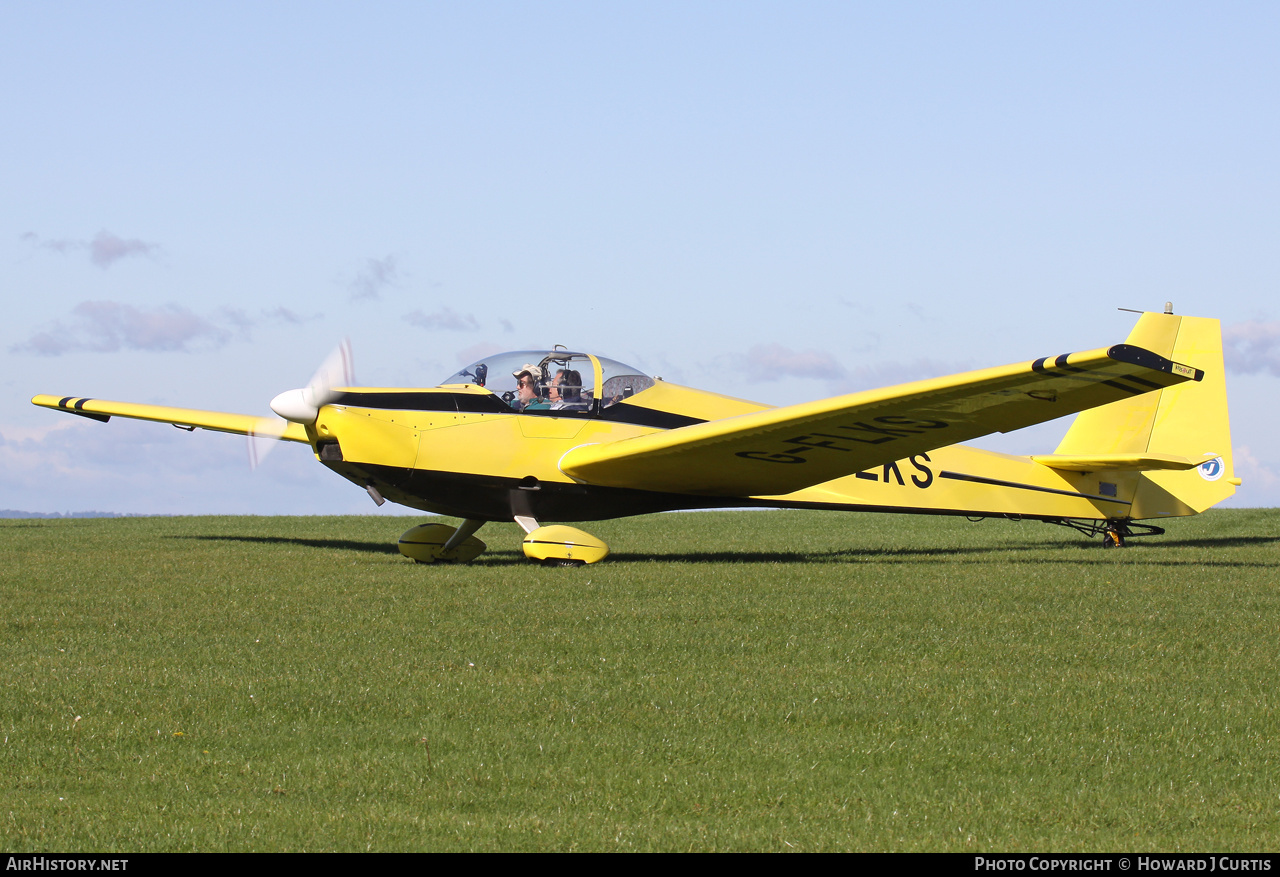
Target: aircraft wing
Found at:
240, 424
780, 450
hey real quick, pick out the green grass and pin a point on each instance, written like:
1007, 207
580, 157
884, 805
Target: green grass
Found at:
725, 681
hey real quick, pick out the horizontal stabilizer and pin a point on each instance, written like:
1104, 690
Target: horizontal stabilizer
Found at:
1106, 462
239, 424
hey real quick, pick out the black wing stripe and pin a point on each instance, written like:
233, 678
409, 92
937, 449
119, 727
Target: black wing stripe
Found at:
1066, 370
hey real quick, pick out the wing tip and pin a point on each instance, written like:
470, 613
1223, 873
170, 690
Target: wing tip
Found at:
1140, 356
71, 405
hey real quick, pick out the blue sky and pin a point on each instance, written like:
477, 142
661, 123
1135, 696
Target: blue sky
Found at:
775, 201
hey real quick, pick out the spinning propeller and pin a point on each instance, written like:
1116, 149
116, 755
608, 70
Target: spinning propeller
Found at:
302, 405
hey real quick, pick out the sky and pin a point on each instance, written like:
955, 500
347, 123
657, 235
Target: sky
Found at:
776, 201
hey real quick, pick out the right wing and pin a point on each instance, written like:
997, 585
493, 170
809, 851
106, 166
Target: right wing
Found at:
781, 450
240, 424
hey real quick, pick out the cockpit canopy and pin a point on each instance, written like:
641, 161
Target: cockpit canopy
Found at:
532, 381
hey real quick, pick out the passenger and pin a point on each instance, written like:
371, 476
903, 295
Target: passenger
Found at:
565, 391
528, 391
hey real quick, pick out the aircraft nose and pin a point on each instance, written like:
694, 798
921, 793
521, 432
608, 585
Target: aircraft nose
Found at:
299, 406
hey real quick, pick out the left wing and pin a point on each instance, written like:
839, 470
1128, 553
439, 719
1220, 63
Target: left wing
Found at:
240, 424
780, 450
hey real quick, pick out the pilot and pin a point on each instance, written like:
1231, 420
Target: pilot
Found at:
528, 396
565, 391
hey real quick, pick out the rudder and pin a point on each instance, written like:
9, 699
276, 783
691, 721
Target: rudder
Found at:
1188, 420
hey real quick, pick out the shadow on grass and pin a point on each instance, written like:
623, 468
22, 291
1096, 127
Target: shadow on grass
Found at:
339, 544
1220, 542
490, 557
1069, 552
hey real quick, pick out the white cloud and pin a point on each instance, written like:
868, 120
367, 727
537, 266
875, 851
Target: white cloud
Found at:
128, 466
444, 318
1252, 346
104, 250
98, 457
477, 352
374, 277
284, 315
772, 362
1254, 472
889, 374
237, 319
108, 326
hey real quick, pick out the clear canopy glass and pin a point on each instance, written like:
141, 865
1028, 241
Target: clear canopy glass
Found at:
556, 380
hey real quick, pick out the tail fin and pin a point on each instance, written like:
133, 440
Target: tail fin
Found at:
1188, 420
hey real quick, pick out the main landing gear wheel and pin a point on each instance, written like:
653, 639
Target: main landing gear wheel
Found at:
558, 545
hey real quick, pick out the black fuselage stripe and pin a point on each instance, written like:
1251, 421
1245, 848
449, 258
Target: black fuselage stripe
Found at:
488, 498
471, 403
995, 482
465, 402
639, 416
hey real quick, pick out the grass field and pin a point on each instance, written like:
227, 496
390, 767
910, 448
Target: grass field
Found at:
725, 681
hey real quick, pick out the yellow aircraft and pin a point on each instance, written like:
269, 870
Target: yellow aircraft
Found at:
538, 436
